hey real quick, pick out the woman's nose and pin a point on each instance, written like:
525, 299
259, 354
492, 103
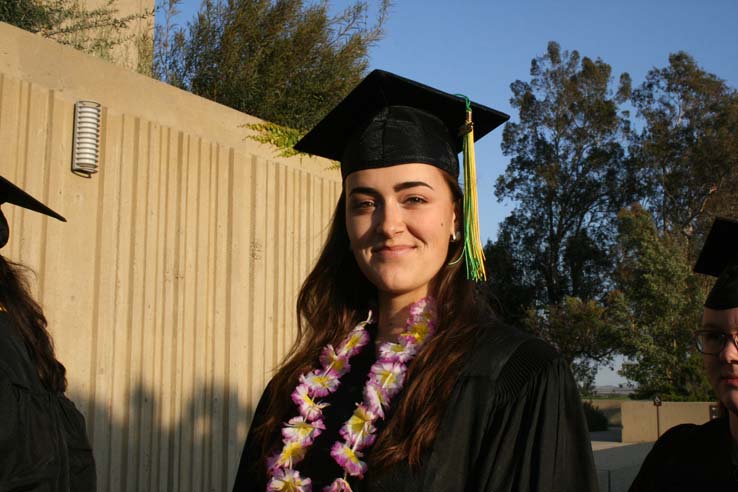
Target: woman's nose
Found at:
390, 220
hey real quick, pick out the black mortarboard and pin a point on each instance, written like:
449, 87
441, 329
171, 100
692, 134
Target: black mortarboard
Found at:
719, 258
388, 120
9, 193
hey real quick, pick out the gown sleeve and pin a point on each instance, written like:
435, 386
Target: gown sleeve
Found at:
251, 476
526, 434
540, 439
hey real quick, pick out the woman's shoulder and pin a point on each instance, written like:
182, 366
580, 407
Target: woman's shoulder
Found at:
501, 348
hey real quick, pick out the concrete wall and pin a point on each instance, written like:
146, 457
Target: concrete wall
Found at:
170, 291
642, 422
611, 410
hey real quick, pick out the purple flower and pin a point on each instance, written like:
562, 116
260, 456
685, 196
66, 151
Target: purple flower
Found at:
338, 485
319, 384
389, 376
376, 399
332, 363
302, 431
309, 408
288, 481
395, 352
353, 344
348, 459
359, 429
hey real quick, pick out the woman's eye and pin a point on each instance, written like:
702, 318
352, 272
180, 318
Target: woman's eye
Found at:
412, 200
363, 204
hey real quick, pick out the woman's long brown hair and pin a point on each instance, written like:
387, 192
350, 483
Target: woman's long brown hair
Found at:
28, 319
334, 298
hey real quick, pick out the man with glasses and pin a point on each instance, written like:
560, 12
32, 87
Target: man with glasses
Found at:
705, 457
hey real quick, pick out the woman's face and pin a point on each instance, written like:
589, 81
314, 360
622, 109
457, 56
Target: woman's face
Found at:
722, 369
400, 220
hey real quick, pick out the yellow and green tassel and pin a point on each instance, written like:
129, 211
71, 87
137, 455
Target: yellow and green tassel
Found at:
473, 249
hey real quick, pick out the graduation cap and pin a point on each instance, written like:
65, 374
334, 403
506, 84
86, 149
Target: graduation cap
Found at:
719, 258
10, 193
389, 120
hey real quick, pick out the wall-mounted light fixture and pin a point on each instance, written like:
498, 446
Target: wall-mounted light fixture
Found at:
86, 138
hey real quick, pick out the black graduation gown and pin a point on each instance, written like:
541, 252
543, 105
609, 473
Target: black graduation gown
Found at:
43, 442
514, 422
689, 457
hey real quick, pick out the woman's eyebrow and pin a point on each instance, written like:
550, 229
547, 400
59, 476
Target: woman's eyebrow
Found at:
366, 190
363, 190
411, 184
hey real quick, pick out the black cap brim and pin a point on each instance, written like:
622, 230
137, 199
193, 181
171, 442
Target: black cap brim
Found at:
10, 193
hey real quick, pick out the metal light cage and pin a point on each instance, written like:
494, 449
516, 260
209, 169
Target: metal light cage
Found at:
86, 138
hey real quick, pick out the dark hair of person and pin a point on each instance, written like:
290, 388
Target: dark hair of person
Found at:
29, 321
334, 298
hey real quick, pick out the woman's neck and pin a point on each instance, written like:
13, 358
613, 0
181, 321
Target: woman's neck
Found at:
393, 314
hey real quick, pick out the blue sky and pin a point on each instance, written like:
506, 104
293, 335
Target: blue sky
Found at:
479, 47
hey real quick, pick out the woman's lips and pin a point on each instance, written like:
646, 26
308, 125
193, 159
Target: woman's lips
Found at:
392, 251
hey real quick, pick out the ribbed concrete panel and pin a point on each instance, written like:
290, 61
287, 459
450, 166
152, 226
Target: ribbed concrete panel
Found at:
171, 290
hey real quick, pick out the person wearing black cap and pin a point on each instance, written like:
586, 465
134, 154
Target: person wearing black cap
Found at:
705, 457
43, 442
401, 379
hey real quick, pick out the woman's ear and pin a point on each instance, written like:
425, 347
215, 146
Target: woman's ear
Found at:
458, 221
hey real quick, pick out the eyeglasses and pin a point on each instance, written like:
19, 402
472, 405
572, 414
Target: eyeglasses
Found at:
712, 342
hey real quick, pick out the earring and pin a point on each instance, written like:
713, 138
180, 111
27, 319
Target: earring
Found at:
455, 236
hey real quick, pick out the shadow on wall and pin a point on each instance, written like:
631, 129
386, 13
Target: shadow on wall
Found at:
175, 444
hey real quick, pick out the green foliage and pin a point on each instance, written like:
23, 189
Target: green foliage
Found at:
596, 420
288, 61
662, 303
584, 332
687, 151
567, 180
564, 175
596, 257
279, 136
30, 15
508, 291
99, 31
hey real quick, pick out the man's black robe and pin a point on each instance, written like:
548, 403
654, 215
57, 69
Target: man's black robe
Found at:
689, 457
514, 422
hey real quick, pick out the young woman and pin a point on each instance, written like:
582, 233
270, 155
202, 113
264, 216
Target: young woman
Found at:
43, 442
400, 379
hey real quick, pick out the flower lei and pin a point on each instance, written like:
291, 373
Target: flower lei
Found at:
385, 380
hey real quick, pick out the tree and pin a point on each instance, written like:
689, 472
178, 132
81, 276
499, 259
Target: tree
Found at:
97, 31
567, 178
280, 60
565, 174
687, 151
586, 334
686, 160
661, 304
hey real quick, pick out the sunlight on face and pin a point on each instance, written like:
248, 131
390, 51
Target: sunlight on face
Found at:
722, 369
400, 220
